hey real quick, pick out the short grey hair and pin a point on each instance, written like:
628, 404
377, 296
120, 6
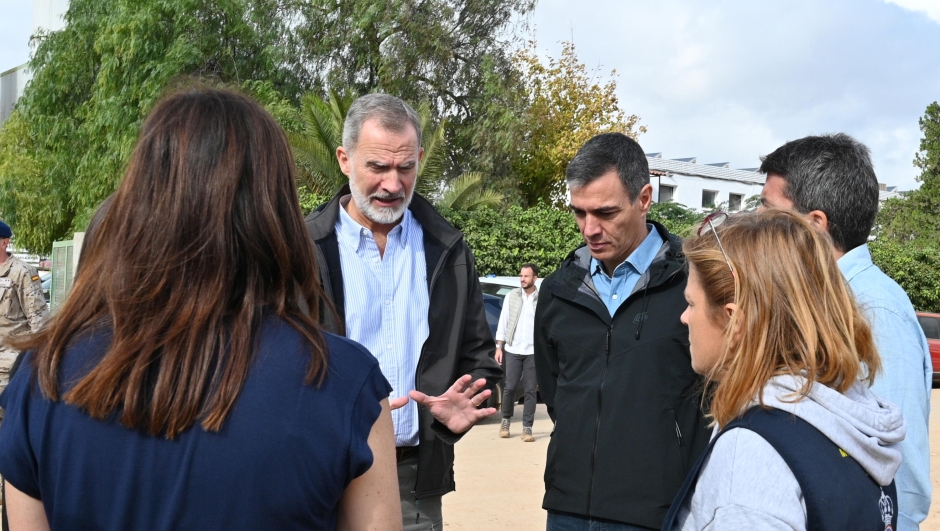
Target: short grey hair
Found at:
393, 114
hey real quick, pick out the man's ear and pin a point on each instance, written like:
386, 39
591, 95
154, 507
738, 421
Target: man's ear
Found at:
819, 220
342, 156
645, 197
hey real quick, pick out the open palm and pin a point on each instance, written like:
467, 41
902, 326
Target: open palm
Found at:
457, 408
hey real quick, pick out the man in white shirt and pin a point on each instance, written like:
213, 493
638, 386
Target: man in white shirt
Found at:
514, 349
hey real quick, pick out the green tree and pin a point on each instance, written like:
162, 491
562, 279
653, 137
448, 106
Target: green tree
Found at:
315, 142
94, 82
676, 217
456, 54
565, 107
915, 267
916, 215
466, 193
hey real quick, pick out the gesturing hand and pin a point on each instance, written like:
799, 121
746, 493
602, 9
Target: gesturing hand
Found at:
457, 407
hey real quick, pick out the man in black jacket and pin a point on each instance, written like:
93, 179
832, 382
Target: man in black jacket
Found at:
403, 283
611, 355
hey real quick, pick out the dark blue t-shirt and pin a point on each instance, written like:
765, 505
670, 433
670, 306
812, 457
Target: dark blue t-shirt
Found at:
282, 460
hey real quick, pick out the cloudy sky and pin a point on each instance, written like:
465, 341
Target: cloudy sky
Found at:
729, 80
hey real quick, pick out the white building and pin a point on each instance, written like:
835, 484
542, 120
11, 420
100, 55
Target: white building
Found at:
702, 186
887, 192
48, 16
12, 84
706, 186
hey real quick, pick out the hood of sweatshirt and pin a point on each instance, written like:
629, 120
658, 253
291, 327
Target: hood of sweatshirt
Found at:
864, 425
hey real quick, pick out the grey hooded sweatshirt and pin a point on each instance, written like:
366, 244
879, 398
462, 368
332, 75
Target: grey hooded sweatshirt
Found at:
745, 484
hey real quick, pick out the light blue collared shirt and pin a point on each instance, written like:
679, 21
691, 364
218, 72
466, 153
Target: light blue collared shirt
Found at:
905, 378
614, 289
387, 305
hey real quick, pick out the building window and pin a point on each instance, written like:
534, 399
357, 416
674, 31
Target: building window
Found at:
734, 202
666, 193
708, 198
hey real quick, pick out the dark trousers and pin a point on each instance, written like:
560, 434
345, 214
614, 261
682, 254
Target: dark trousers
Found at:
417, 515
519, 368
575, 522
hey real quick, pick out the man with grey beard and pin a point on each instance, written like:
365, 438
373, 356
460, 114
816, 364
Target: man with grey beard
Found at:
403, 283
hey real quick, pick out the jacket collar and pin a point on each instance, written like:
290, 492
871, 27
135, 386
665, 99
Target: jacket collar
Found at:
574, 274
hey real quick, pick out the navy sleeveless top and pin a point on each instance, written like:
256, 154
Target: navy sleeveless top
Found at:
282, 460
838, 493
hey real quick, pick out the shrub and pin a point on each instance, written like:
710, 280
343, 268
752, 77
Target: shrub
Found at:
503, 240
915, 267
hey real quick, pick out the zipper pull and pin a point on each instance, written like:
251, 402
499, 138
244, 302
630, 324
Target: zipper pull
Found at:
678, 434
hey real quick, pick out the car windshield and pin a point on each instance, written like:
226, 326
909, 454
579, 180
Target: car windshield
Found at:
498, 290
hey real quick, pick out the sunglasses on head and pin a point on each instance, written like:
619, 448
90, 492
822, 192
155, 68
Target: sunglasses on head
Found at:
708, 225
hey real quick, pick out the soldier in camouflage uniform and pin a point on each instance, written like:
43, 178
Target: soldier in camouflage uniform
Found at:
22, 306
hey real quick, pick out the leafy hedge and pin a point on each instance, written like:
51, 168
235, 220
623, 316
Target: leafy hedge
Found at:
503, 240
915, 267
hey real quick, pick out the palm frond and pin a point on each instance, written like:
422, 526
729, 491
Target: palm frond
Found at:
460, 189
315, 147
482, 198
434, 163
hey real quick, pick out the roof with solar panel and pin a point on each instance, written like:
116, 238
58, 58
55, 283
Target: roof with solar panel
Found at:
715, 170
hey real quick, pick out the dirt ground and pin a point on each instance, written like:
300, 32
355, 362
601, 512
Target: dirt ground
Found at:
499, 481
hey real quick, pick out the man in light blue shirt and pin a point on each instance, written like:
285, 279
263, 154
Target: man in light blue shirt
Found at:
402, 282
614, 289
830, 179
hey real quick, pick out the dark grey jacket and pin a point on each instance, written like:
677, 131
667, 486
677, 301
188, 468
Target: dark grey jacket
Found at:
459, 340
621, 390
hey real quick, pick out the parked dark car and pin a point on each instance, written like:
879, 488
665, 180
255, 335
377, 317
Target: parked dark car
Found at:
493, 305
930, 322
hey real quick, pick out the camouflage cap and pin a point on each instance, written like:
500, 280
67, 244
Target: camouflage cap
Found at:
5, 231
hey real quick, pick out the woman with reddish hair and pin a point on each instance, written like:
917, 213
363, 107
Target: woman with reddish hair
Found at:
800, 441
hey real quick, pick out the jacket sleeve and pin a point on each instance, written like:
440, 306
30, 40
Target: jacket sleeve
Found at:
31, 300
546, 354
476, 357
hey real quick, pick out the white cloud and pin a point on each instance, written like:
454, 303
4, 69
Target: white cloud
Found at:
729, 80
931, 8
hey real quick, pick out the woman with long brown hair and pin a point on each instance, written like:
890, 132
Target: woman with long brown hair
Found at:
185, 383
800, 441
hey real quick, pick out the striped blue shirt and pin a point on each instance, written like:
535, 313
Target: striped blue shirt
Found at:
387, 305
615, 289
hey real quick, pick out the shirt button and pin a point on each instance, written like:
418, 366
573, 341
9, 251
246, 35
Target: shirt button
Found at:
614, 296
375, 260
389, 347
388, 301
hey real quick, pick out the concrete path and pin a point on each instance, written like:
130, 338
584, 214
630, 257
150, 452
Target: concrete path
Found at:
499, 481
